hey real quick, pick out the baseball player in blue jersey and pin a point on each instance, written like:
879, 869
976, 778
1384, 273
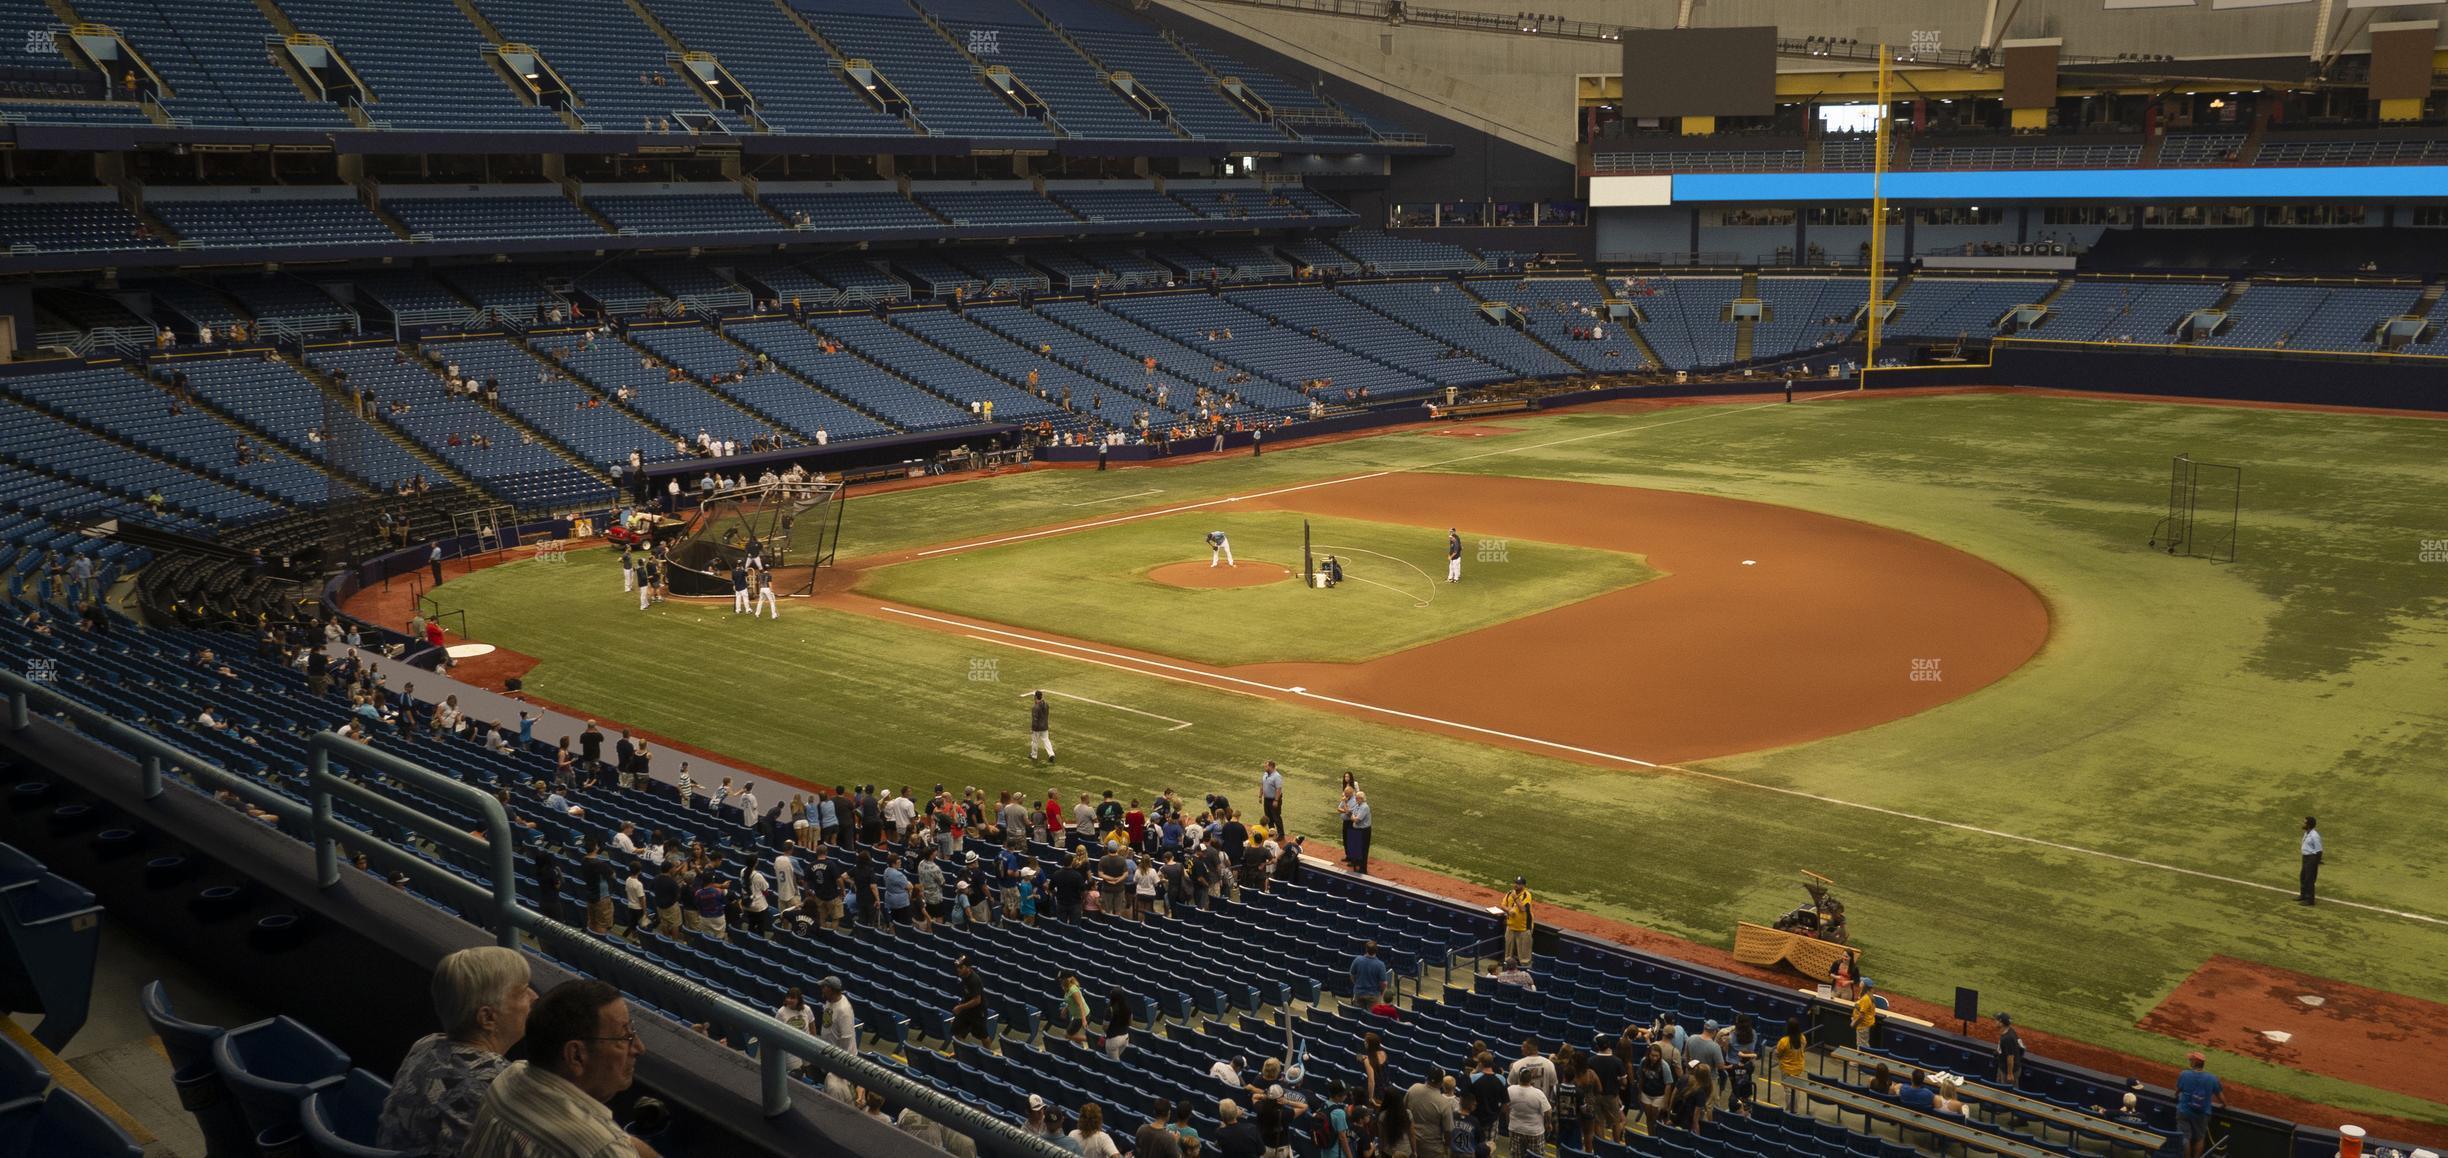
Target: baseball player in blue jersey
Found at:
1453, 554
1219, 548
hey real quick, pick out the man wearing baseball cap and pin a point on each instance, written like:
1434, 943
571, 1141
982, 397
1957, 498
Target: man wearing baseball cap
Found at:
1865, 1014
1518, 922
2198, 1091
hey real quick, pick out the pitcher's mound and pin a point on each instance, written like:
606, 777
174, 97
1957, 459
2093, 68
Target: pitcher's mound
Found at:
1200, 576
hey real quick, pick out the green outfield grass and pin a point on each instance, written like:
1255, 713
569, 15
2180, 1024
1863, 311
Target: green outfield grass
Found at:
1094, 585
2183, 714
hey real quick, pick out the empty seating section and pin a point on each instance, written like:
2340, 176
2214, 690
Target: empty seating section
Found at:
608, 58
404, 294
2123, 311
1698, 161
1258, 204
32, 220
2200, 148
1686, 321
677, 405
859, 279
1318, 256
2350, 316
1848, 151
1001, 32
211, 53
1283, 357
2398, 151
613, 288
1344, 322
528, 475
128, 408
1070, 272
52, 91
1131, 270
796, 87
1008, 361
940, 279
199, 304
787, 282
1191, 359
847, 376
1003, 274
1452, 317
426, 66
278, 302
1124, 205
274, 398
1185, 263
786, 401
1244, 261
729, 211
945, 89
272, 220
1938, 307
1120, 42
701, 286
994, 207
1071, 365
1557, 306
860, 211
601, 434
1389, 254
32, 439
2312, 317
540, 214
1799, 309
2054, 156
511, 293
903, 353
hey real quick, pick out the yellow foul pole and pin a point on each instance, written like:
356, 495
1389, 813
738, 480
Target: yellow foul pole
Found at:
1878, 221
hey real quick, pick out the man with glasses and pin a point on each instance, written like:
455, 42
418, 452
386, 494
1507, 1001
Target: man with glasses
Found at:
582, 1051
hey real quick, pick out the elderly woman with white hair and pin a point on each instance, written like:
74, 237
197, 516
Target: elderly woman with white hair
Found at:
482, 997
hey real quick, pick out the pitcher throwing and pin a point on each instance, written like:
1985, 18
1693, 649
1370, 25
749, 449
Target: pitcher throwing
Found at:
1219, 549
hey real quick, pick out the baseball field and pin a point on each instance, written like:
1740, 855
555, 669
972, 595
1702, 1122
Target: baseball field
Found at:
1914, 643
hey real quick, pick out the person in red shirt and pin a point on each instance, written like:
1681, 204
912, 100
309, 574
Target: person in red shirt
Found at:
433, 632
1136, 821
1054, 817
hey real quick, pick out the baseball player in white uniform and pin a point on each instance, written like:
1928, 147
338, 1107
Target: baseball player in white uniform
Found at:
1219, 549
1453, 554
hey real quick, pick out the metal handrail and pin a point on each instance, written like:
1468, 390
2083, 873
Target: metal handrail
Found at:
778, 1043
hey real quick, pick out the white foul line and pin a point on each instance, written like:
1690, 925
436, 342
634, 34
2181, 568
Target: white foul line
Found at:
1117, 498
1640, 763
1115, 666
1178, 725
1707, 412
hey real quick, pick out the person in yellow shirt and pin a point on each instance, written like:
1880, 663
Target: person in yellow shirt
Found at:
1865, 1014
1792, 1051
1518, 922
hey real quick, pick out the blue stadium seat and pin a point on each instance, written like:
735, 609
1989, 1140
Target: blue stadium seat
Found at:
270, 1066
341, 1120
64, 1125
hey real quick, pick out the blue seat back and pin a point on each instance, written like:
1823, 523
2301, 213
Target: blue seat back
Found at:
270, 1066
342, 1120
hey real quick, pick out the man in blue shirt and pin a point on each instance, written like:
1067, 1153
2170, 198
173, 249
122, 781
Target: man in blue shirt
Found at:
1270, 794
2311, 860
2198, 1091
1918, 1095
1369, 975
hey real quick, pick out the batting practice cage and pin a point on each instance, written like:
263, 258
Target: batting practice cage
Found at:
2205, 500
795, 526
